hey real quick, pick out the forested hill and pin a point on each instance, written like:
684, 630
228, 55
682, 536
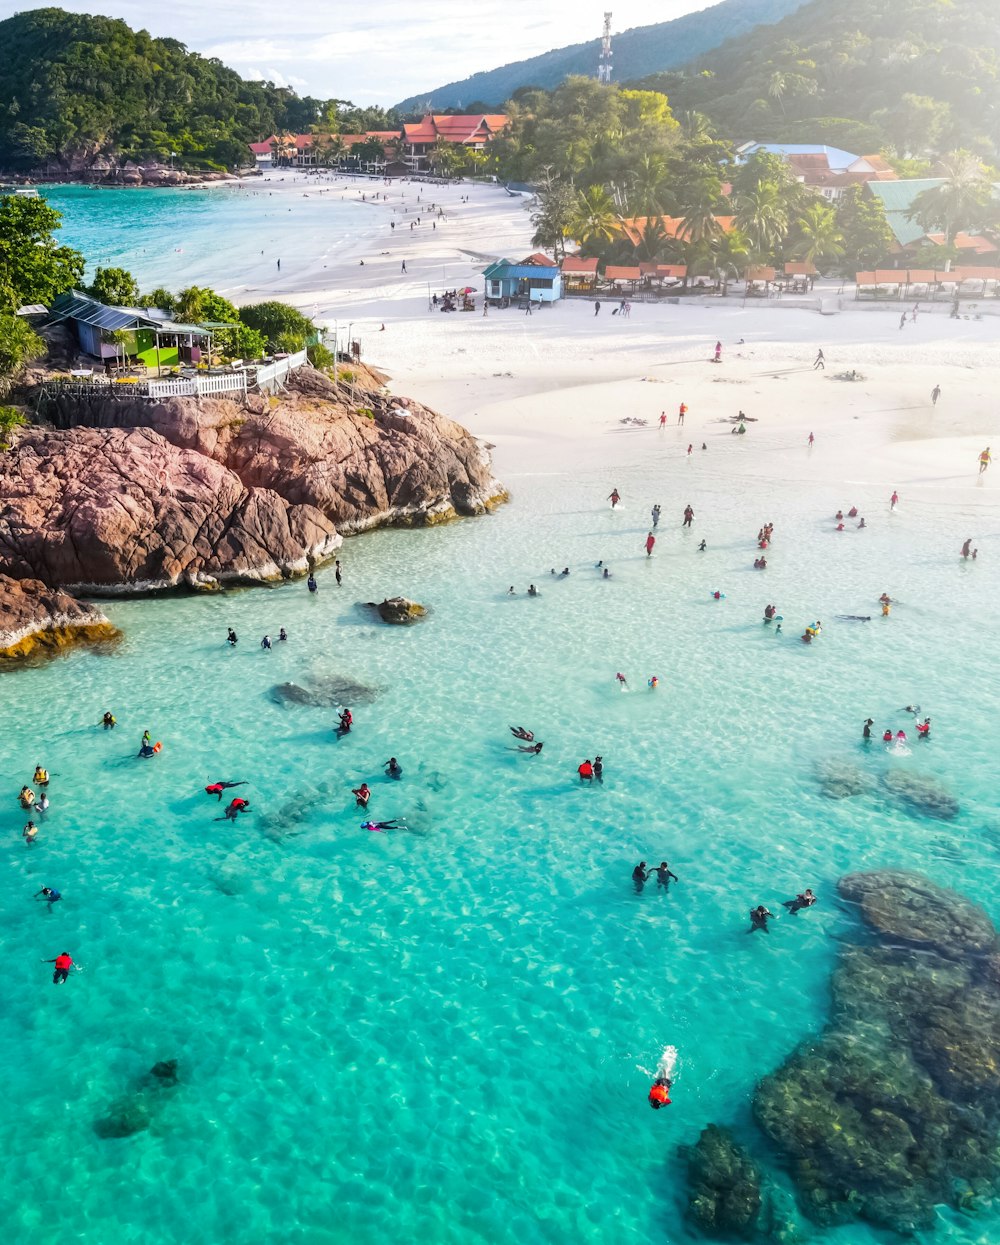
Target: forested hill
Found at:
644, 50
922, 75
73, 86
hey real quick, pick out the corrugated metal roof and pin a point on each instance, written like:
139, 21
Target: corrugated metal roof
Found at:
503, 270
78, 306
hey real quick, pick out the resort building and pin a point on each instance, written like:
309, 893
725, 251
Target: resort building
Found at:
128, 334
828, 171
536, 278
419, 138
898, 198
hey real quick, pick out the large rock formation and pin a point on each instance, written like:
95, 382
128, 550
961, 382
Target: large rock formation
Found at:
128, 496
724, 1198
36, 619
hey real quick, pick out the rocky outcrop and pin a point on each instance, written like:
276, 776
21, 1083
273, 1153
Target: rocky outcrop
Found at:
922, 793
36, 619
399, 611
326, 692
130, 496
724, 1198
895, 1107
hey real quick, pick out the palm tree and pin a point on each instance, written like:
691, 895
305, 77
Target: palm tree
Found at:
699, 202
761, 215
283, 148
729, 254
819, 237
189, 305
330, 150
648, 192
594, 220
695, 126
652, 242
777, 84
963, 200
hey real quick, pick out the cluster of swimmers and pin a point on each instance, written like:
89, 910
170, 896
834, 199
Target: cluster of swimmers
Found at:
899, 737
760, 915
851, 514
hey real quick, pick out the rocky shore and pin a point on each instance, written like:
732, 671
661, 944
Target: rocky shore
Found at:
106, 171
118, 497
35, 619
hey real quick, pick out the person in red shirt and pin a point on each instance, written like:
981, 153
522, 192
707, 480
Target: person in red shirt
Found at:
659, 1093
63, 963
586, 771
681, 413
650, 542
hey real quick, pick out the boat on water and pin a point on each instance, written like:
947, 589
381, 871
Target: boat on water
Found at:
19, 192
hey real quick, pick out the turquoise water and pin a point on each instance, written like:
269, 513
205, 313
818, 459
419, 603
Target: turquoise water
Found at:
444, 1034
203, 235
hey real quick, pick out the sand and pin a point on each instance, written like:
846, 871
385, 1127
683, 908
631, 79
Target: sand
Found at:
549, 390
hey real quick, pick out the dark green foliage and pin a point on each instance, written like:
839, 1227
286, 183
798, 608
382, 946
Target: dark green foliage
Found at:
922, 76
115, 287
19, 344
72, 85
10, 418
32, 268
642, 50
282, 326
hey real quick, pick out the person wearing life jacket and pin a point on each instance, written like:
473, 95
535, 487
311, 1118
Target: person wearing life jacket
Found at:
924, 728
27, 797
217, 788
659, 1093
109, 721
41, 778
586, 771
887, 737
63, 963
235, 807
362, 795
345, 723
29, 832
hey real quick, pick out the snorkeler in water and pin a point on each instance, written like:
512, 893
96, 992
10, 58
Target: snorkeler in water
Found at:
234, 808
805, 900
534, 749
381, 825
217, 788
519, 732
759, 918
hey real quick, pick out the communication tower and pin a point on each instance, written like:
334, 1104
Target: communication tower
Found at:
604, 64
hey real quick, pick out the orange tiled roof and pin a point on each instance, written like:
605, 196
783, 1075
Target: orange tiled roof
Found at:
580, 266
540, 260
622, 272
672, 226
459, 129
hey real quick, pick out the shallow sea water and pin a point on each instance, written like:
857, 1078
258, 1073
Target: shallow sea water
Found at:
202, 235
444, 1034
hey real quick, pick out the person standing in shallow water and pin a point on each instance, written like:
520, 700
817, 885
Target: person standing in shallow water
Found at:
337, 572
650, 542
759, 918
640, 877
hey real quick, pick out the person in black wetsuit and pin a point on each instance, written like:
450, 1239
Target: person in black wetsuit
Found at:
805, 900
759, 918
639, 876
393, 769
663, 874
866, 730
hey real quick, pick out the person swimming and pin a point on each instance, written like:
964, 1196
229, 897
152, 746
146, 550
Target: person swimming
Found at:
805, 900
49, 894
282, 634
653, 683
42, 803
599, 769
664, 874
533, 749
759, 918
311, 583
266, 642
234, 808
382, 825
41, 778
769, 612
519, 732
607, 573
27, 797
393, 768
109, 721
343, 727
232, 638
362, 795
532, 590
887, 737
659, 1091
217, 788
621, 680
29, 832
760, 564
924, 729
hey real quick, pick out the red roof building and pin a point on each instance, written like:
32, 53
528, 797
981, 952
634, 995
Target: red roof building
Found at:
474, 132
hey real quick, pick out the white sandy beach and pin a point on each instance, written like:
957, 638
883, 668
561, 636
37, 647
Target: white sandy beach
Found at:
550, 390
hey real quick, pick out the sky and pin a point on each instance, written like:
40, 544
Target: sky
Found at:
377, 52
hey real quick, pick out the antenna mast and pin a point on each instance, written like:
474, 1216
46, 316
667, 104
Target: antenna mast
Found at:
604, 64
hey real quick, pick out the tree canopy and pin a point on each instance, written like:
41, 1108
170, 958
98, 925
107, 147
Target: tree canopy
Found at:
33, 268
72, 86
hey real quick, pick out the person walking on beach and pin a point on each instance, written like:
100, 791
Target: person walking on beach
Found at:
614, 497
811, 440
63, 963
597, 306
688, 516
650, 542
656, 515
663, 419
681, 413
819, 364
935, 394
984, 460
893, 500
279, 265
902, 321
718, 352
403, 268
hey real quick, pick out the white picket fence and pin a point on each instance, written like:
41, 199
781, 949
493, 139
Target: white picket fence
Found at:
266, 377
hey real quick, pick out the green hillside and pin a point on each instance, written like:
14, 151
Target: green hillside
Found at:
644, 50
73, 86
918, 76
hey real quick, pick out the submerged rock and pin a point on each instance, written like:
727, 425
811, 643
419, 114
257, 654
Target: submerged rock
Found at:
165, 1071
399, 610
724, 1197
922, 793
895, 1108
326, 693
842, 779
912, 908
36, 619
126, 1117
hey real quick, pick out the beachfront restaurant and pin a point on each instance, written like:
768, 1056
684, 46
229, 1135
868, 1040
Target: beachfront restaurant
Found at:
127, 336
537, 278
